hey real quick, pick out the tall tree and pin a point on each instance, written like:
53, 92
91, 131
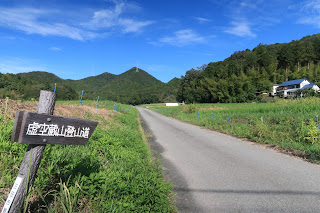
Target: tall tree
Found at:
285, 59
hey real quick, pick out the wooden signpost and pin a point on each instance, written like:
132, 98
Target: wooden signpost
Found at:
33, 128
37, 130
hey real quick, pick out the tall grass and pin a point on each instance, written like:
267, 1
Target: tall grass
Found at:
287, 124
114, 172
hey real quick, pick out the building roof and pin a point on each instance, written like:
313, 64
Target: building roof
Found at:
292, 82
308, 86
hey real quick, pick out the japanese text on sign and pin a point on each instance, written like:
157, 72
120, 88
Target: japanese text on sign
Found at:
54, 130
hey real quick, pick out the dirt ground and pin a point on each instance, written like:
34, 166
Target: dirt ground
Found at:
9, 107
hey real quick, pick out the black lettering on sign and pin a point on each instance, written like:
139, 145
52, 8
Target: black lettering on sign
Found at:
33, 128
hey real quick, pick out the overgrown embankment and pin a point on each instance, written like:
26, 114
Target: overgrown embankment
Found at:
114, 172
289, 125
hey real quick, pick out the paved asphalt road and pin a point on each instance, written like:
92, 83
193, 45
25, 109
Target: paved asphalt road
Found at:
213, 172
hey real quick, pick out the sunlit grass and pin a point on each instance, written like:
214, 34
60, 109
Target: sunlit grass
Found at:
288, 124
114, 172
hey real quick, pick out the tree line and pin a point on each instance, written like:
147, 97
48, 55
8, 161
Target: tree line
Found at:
19, 88
247, 73
130, 87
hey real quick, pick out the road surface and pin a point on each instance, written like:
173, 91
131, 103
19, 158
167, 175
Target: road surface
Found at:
214, 172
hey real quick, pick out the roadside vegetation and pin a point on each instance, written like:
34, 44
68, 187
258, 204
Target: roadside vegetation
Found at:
114, 172
243, 75
288, 125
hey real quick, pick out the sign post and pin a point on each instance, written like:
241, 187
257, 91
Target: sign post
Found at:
37, 130
81, 98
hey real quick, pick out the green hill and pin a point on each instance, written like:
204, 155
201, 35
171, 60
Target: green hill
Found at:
140, 77
90, 84
174, 82
29, 86
133, 87
247, 73
41, 76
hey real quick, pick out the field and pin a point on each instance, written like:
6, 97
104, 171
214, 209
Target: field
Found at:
114, 172
287, 125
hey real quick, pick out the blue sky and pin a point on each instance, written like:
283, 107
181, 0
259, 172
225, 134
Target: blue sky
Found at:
75, 39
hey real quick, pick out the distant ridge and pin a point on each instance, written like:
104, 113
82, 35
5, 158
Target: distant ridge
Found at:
41, 76
128, 87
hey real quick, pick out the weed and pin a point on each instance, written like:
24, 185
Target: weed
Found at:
309, 132
192, 108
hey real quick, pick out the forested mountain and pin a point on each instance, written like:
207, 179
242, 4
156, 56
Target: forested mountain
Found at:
41, 76
17, 87
239, 77
133, 87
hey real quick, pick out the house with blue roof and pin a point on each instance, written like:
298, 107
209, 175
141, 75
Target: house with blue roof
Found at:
289, 88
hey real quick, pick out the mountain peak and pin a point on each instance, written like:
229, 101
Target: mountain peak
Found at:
41, 76
134, 86
139, 76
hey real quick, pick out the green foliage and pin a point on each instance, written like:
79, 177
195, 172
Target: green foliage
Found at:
114, 172
67, 198
308, 92
134, 88
309, 132
41, 77
191, 108
18, 87
288, 124
239, 77
130, 87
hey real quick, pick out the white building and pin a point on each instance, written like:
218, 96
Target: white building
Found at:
289, 88
313, 86
172, 104
274, 89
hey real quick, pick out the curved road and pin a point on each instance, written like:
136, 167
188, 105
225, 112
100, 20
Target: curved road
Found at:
213, 172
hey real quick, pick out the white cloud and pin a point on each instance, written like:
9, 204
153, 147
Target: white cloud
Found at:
249, 17
310, 20
55, 48
202, 20
131, 26
18, 65
113, 18
8, 37
30, 21
105, 18
182, 38
241, 29
44, 21
311, 13
248, 4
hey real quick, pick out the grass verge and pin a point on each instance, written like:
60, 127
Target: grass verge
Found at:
288, 125
114, 172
